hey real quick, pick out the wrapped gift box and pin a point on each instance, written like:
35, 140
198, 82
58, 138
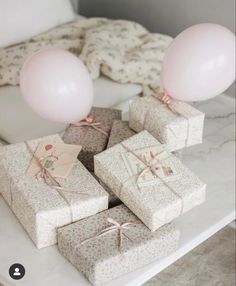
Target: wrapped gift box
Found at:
155, 199
102, 258
39, 207
92, 140
120, 131
177, 130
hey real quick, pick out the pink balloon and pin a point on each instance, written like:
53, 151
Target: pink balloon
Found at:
57, 86
199, 63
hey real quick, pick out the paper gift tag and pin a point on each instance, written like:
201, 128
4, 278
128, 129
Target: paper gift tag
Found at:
156, 156
58, 159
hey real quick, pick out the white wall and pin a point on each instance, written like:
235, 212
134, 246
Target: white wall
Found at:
165, 16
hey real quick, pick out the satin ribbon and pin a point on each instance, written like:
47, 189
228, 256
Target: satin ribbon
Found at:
152, 168
51, 181
168, 102
88, 121
115, 226
152, 165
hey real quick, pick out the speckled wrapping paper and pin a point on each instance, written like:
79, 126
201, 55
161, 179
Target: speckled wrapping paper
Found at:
120, 131
91, 140
100, 258
176, 131
40, 208
155, 205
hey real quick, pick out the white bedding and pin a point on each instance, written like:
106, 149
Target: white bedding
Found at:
18, 122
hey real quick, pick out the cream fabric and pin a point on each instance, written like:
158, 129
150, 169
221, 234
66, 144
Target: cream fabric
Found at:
122, 50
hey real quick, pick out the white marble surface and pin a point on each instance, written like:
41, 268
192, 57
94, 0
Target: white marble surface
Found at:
213, 161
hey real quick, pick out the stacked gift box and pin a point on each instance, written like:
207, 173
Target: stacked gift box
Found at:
113, 213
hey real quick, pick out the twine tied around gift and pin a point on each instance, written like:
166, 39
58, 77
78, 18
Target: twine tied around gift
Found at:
115, 226
89, 121
49, 180
152, 165
167, 101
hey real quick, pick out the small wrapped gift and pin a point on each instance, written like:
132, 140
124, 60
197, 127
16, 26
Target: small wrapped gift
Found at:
92, 133
150, 181
120, 131
178, 125
41, 201
114, 242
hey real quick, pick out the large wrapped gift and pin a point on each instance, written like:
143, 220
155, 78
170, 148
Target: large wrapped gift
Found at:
178, 125
150, 181
120, 131
92, 133
113, 243
43, 202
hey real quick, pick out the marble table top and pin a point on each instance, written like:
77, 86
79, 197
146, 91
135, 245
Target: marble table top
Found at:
213, 162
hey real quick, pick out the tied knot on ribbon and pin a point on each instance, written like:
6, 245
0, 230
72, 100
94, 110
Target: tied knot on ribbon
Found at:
163, 97
152, 165
89, 121
115, 226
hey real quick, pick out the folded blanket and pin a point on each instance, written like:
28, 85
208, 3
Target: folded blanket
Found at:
122, 50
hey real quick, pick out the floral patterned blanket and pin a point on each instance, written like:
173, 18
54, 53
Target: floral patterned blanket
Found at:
122, 50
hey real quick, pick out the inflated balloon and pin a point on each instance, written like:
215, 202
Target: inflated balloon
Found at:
57, 86
199, 63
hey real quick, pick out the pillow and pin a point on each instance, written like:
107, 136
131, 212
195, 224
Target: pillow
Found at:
21, 20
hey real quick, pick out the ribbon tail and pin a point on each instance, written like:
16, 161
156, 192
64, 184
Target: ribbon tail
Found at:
100, 130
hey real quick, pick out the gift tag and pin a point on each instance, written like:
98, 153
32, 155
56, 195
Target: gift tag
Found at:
161, 166
58, 159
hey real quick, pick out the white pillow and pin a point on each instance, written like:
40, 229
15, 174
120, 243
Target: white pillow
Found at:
22, 19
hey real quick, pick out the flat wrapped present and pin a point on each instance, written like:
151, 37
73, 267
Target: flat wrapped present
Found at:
150, 181
113, 243
120, 131
178, 126
42, 207
92, 136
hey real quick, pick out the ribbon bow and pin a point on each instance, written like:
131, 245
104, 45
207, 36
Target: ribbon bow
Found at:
88, 121
115, 226
153, 165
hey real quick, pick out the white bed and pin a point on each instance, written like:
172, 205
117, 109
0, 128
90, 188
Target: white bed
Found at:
18, 122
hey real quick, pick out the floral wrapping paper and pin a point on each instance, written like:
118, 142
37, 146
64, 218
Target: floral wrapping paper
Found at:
92, 141
40, 208
120, 131
100, 259
157, 204
176, 131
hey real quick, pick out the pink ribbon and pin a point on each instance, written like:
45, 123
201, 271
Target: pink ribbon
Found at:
167, 100
50, 180
152, 167
88, 121
115, 226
